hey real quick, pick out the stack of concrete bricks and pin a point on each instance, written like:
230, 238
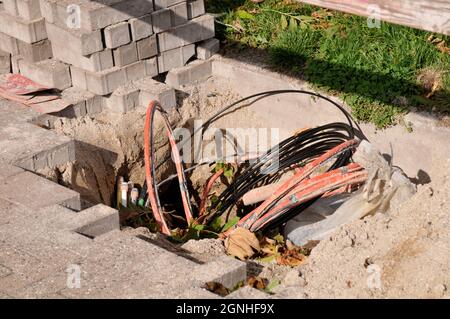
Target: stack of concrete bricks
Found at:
22, 34
107, 48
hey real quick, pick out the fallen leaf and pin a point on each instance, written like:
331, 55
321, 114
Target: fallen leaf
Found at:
290, 245
291, 258
242, 243
257, 282
217, 288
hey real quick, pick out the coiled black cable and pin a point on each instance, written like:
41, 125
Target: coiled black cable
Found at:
294, 150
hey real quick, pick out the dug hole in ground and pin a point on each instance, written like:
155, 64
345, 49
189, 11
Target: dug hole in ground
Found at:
401, 252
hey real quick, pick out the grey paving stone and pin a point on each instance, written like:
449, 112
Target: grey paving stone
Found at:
195, 8
97, 220
50, 73
224, 270
7, 170
9, 212
27, 31
33, 191
4, 271
207, 49
25, 269
46, 288
190, 74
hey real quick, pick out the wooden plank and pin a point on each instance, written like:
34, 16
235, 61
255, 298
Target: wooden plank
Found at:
429, 15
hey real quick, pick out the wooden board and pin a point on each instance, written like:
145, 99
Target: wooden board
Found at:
431, 15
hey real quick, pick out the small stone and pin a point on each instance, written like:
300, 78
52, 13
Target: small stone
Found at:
213, 247
293, 278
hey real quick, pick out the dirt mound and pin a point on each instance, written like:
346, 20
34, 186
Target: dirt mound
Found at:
404, 253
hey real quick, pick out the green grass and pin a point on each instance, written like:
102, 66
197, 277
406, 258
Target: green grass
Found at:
376, 71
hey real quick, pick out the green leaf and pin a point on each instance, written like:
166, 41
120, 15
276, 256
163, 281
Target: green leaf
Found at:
216, 225
214, 199
245, 15
218, 167
306, 18
272, 285
279, 239
284, 22
267, 259
228, 173
293, 24
199, 227
232, 222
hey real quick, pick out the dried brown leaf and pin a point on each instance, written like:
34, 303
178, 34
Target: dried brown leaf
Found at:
291, 258
217, 288
242, 243
257, 282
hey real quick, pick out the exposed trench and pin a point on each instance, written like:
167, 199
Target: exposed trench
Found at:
111, 145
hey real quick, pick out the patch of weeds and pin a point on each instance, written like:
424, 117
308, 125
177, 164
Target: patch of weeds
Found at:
139, 217
198, 231
378, 72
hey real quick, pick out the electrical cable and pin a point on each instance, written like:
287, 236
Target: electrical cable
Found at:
299, 149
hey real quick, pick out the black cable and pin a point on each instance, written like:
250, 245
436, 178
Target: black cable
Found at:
298, 149
266, 94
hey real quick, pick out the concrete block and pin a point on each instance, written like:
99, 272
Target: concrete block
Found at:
107, 81
27, 31
147, 48
101, 83
196, 30
7, 170
141, 69
195, 8
51, 73
159, 4
161, 20
224, 270
192, 73
15, 63
5, 62
33, 191
8, 44
20, 263
97, 220
61, 155
122, 100
83, 102
117, 35
175, 58
96, 62
178, 14
29, 9
141, 27
153, 90
35, 52
94, 105
80, 41
96, 15
10, 7
125, 55
48, 11
207, 49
